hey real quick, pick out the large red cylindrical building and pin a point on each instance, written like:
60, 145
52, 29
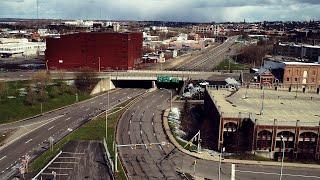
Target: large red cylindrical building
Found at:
112, 51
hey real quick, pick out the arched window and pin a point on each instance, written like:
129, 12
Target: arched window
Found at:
264, 139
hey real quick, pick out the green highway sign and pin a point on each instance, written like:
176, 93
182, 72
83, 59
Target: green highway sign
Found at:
167, 79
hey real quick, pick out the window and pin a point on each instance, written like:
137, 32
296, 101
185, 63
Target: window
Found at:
296, 79
288, 79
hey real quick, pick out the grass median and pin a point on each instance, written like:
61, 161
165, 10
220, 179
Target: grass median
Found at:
13, 105
93, 130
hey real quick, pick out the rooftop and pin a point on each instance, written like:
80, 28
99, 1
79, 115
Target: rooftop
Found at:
280, 105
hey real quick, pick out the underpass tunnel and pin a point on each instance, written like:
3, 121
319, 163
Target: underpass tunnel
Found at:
146, 84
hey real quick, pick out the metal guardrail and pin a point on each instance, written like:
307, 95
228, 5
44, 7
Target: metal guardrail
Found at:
108, 157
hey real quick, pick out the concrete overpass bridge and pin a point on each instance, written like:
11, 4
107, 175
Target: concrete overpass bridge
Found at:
148, 75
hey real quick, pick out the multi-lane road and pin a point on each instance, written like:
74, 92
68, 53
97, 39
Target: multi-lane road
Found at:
55, 124
207, 60
142, 124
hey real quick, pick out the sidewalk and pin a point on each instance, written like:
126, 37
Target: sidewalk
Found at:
206, 156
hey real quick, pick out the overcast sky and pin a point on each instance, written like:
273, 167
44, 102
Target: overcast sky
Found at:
166, 10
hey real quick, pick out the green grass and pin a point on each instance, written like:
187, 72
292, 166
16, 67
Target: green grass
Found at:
224, 65
15, 109
93, 130
191, 147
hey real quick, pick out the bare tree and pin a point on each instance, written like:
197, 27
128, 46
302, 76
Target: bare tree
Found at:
86, 80
41, 79
2, 89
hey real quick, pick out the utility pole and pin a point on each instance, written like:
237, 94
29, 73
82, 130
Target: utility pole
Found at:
262, 103
41, 106
282, 158
220, 159
99, 59
37, 9
107, 118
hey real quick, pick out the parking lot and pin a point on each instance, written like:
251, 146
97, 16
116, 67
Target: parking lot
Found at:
78, 160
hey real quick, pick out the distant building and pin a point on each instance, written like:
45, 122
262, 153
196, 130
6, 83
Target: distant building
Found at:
214, 29
278, 70
20, 48
312, 52
116, 51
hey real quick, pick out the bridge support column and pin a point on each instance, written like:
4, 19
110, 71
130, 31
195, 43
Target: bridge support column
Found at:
154, 85
102, 86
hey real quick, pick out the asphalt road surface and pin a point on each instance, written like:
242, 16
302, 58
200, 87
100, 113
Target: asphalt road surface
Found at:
209, 59
56, 124
79, 160
142, 124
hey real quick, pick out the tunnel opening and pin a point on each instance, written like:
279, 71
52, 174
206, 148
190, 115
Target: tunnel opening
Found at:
146, 84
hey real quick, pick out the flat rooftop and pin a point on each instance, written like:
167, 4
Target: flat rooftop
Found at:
280, 105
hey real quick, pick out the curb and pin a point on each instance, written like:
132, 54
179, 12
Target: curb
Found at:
233, 161
134, 101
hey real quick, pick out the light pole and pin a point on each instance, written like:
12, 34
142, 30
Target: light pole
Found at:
220, 159
283, 148
107, 118
99, 64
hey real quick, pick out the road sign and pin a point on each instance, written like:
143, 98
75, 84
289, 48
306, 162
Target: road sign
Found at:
167, 79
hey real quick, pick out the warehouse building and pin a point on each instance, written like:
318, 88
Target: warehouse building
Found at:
10, 47
259, 121
290, 73
95, 50
311, 52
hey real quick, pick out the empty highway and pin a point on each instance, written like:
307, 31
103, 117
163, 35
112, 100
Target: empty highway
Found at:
207, 60
55, 124
142, 123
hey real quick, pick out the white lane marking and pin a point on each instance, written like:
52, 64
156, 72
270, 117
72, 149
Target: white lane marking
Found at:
130, 121
3, 158
141, 132
270, 173
28, 141
68, 118
152, 123
50, 128
101, 103
49, 120
92, 102
87, 109
129, 132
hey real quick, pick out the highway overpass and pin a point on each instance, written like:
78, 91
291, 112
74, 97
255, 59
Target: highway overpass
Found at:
127, 75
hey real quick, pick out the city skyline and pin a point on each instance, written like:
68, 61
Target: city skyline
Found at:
165, 10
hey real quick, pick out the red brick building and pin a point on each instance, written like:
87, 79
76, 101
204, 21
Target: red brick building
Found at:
261, 121
107, 51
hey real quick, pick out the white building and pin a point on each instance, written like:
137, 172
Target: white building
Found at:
20, 48
215, 29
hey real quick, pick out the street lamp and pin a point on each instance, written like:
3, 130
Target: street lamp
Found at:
107, 118
283, 148
170, 97
220, 159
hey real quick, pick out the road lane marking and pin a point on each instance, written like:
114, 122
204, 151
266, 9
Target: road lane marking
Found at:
270, 173
50, 128
3, 158
68, 118
28, 141
87, 109
49, 120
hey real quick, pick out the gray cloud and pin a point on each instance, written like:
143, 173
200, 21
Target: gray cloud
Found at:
169, 10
